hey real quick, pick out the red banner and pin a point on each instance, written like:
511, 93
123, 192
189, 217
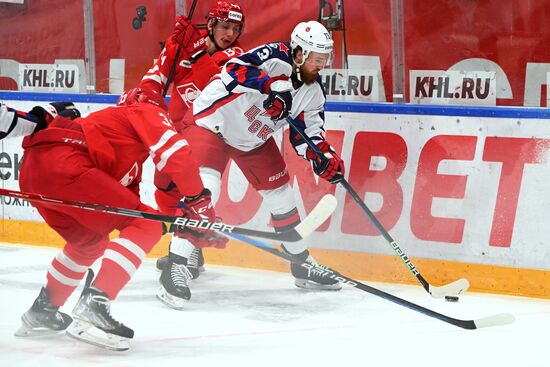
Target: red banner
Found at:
510, 38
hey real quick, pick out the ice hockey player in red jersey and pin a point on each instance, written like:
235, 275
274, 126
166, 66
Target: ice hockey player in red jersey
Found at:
15, 123
202, 56
99, 159
235, 117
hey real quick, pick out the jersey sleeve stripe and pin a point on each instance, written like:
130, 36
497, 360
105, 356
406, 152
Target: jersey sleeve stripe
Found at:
163, 139
250, 77
216, 104
168, 153
156, 78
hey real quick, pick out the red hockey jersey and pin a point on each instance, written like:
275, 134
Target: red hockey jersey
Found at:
120, 139
189, 79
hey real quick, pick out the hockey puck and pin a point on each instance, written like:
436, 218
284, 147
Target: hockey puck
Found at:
451, 298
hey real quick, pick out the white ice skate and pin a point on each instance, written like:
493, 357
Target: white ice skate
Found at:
93, 323
42, 318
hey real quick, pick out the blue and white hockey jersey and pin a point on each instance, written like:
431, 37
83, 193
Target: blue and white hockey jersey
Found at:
231, 105
15, 123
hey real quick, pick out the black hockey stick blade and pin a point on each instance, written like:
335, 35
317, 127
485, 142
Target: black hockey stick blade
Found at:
316, 217
452, 289
494, 320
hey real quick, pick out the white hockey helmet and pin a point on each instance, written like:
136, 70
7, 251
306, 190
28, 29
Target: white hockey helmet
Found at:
312, 36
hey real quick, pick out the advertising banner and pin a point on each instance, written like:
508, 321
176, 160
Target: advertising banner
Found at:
467, 189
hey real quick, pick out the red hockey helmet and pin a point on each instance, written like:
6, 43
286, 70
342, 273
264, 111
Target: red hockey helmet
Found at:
227, 11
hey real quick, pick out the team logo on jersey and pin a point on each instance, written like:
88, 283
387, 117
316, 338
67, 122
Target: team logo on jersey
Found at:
130, 176
188, 92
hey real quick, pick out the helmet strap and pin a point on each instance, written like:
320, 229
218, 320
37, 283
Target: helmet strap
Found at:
296, 67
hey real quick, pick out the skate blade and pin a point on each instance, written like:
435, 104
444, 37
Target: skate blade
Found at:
314, 286
173, 302
26, 331
88, 333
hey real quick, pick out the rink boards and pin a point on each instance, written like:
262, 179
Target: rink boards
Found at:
463, 191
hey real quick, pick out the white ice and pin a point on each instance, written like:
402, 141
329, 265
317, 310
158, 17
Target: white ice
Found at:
241, 317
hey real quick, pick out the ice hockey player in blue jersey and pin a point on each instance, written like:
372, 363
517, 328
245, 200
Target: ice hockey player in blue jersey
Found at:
235, 118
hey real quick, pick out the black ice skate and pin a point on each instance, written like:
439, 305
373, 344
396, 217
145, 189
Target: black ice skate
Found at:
93, 323
195, 263
312, 276
43, 318
174, 282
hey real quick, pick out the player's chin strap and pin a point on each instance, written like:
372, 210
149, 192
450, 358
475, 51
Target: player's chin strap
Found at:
296, 65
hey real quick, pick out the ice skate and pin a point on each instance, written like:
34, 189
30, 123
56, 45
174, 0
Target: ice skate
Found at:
195, 263
312, 277
93, 323
174, 282
43, 318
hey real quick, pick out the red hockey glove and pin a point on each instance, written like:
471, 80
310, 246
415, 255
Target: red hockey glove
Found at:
279, 101
46, 113
138, 95
188, 37
331, 168
197, 208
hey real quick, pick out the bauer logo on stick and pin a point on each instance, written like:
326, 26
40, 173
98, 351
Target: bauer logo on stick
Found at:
203, 224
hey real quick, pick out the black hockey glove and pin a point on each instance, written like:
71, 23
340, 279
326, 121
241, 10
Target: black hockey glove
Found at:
46, 113
279, 101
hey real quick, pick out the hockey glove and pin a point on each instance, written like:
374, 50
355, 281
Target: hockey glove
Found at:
46, 113
279, 101
331, 168
189, 38
197, 208
138, 95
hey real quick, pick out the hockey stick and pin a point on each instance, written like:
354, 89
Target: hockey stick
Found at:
451, 289
494, 320
178, 51
316, 217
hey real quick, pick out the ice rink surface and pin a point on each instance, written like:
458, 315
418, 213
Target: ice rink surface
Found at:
240, 317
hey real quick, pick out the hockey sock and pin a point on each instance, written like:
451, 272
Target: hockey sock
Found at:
181, 247
124, 255
284, 222
64, 275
